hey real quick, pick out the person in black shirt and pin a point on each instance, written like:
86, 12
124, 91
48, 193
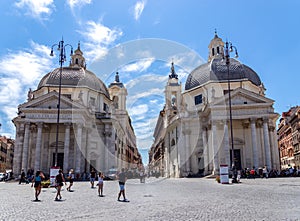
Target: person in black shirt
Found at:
23, 177
59, 179
122, 179
92, 177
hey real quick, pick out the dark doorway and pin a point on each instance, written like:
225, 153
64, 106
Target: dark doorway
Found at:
200, 165
60, 160
237, 159
92, 164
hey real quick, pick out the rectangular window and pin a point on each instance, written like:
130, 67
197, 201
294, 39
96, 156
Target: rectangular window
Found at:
198, 99
92, 101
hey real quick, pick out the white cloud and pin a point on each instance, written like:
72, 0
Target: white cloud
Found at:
38, 9
99, 38
138, 9
98, 33
154, 101
187, 60
78, 3
10, 90
28, 65
143, 53
154, 91
139, 66
75, 6
138, 110
153, 79
20, 71
144, 132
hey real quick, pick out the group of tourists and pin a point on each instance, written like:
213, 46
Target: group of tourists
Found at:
60, 182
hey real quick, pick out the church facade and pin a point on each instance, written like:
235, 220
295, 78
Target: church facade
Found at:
192, 134
94, 128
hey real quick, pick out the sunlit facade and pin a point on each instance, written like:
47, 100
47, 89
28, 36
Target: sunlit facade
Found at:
94, 127
192, 134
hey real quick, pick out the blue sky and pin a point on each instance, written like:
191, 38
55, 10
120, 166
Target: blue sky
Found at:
264, 32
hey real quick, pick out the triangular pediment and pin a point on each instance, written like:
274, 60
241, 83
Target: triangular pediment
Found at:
50, 101
242, 96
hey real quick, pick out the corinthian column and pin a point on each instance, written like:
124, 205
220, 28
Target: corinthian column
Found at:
205, 150
267, 143
38, 147
78, 148
25, 147
254, 143
67, 146
214, 147
18, 149
186, 155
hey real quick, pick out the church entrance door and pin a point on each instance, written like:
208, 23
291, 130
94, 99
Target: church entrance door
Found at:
60, 160
237, 158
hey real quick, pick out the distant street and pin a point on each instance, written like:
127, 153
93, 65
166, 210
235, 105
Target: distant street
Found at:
158, 199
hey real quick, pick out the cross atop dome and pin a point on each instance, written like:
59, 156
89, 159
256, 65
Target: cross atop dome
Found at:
117, 81
117, 78
216, 34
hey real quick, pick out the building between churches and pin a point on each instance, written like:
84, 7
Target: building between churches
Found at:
94, 129
192, 134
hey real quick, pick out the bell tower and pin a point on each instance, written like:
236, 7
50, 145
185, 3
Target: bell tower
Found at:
118, 94
215, 48
77, 59
173, 93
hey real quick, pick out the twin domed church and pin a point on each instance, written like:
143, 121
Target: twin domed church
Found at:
192, 134
94, 128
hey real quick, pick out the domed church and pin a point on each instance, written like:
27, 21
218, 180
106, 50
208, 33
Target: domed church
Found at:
94, 128
192, 134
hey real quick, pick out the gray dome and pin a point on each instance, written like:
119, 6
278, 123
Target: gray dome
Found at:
73, 76
216, 70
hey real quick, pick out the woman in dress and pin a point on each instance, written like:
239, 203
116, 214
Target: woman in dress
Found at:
100, 184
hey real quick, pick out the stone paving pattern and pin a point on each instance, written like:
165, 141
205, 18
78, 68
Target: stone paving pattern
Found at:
158, 199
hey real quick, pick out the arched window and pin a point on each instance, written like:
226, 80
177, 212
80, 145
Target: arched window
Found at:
213, 51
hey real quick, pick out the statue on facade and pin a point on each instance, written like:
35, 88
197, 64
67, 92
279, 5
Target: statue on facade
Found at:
80, 97
29, 95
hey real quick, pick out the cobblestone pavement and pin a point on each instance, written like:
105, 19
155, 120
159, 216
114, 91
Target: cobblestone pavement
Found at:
158, 199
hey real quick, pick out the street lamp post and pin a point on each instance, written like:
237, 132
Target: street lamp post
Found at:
62, 58
227, 49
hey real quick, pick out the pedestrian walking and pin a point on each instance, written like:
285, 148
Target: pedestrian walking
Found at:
122, 179
92, 177
100, 184
142, 176
71, 178
23, 177
238, 178
37, 183
59, 179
